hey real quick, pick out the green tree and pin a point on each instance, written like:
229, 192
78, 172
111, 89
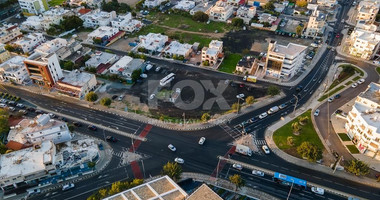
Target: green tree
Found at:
105, 101
273, 90
4, 126
296, 127
269, 6
301, 3
3, 148
136, 74
205, 117
238, 22
68, 65
235, 106
299, 30
200, 16
309, 151
71, 22
206, 63
91, 96
246, 51
250, 100
91, 164
349, 69
71, 128
173, 170
9, 48
97, 40
237, 181
357, 167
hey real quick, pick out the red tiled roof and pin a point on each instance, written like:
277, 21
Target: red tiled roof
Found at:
120, 69
242, 2
84, 11
116, 35
16, 145
102, 67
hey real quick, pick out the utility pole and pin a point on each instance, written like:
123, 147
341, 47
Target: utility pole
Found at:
291, 187
295, 106
238, 105
104, 135
184, 119
142, 163
217, 171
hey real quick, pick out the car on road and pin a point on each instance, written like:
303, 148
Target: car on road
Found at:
338, 111
111, 138
92, 127
282, 106
337, 96
361, 81
77, 124
257, 173
316, 113
172, 147
331, 99
120, 97
152, 96
242, 124
68, 186
318, 190
237, 166
253, 120
114, 97
335, 154
265, 149
51, 115
299, 88
158, 69
11, 109
20, 105
179, 160
100, 146
263, 115
30, 109
34, 191
62, 119
202, 141
354, 85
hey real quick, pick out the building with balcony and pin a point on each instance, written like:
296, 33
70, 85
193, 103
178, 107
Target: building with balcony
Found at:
32, 23
14, 70
213, 52
33, 7
76, 83
102, 61
185, 5
246, 13
316, 25
54, 16
51, 46
363, 121
125, 66
364, 43
284, 61
4, 54
327, 3
247, 65
126, 23
29, 42
176, 49
44, 70
105, 35
221, 11
9, 32
98, 18
367, 10
153, 42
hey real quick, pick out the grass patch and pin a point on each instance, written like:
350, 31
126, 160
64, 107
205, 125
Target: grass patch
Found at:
191, 38
356, 78
53, 3
229, 63
359, 71
343, 75
151, 28
352, 149
378, 70
344, 137
307, 133
331, 93
348, 83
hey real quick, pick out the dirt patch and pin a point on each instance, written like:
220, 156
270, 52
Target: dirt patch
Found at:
123, 44
132, 3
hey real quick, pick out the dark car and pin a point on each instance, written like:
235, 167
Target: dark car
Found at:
100, 146
111, 139
338, 111
12, 103
77, 124
336, 155
299, 88
253, 120
30, 109
114, 97
39, 112
92, 127
62, 119
293, 100
337, 96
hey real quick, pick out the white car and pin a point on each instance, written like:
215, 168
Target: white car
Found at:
51, 115
20, 105
237, 166
239, 96
35, 191
143, 75
172, 147
265, 149
202, 141
68, 186
316, 113
12, 109
318, 190
152, 96
179, 160
2, 105
158, 69
331, 99
257, 173
354, 85
361, 81
263, 115
120, 97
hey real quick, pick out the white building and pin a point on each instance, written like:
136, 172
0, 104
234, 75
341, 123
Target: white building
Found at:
316, 25
4, 54
41, 128
98, 18
104, 33
152, 3
51, 46
44, 69
102, 61
327, 3
364, 43
284, 61
363, 121
29, 42
221, 11
279, 7
72, 47
246, 13
178, 49
126, 23
125, 66
201, 7
153, 42
54, 16
266, 17
32, 23
76, 83
14, 70
186, 5
213, 52
33, 7
367, 10
9, 32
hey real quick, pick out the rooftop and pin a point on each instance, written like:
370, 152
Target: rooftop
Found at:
13, 64
370, 115
291, 50
372, 93
204, 193
103, 31
99, 58
177, 48
76, 78
27, 38
51, 46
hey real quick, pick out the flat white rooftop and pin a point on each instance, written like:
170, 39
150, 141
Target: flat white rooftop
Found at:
76, 78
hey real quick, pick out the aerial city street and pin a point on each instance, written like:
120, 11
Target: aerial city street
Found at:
189, 99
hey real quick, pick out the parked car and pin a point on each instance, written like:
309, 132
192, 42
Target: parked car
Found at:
100, 146
12, 103
92, 127
265, 149
263, 115
337, 96
202, 141
257, 173
152, 96
68, 186
39, 112
172, 147
354, 85
20, 105
2, 105
111, 138
34, 191
179, 160
318, 190
282, 106
158, 69
24, 112
237, 166
299, 88
120, 97
331, 99
3, 101
62, 119
239, 96
316, 113
30, 109
338, 111
114, 97
11, 109
336, 154
51, 115
361, 81
77, 124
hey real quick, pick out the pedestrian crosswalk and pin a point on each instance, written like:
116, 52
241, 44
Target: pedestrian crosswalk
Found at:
232, 132
117, 154
259, 142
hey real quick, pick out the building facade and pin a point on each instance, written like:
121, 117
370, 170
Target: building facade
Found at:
104, 35
51, 46
364, 43
9, 32
4, 54
33, 7
221, 11
76, 83
367, 10
213, 52
29, 42
153, 42
316, 25
176, 49
14, 70
44, 70
126, 23
98, 18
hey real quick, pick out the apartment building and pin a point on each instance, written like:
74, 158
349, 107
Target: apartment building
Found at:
105, 35
14, 70
176, 49
9, 32
4, 54
153, 42
98, 18
284, 61
316, 25
247, 65
29, 42
126, 23
213, 52
32, 23
221, 11
246, 13
102, 61
44, 70
33, 7
54, 16
327, 3
185, 5
51, 46
363, 121
76, 83
125, 66
364, 43
367, 10
201, 7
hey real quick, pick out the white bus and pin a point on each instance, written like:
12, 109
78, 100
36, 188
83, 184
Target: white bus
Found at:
167, 79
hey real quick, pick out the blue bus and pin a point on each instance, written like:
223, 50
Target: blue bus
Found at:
289, 180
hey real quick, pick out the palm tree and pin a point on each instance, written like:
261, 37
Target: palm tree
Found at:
173, 170
237, 180
296, 128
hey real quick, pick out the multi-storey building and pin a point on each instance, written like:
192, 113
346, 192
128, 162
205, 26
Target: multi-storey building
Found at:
363, 121
152, 3
364, 43
176, 49
327, 3
54, 16
126, 23
221, 11
29, 42
51, 46
367, 10
4, 54
185, 5
33, 7
32, 23
153, 42
98, 18
246, 13
14, 70
316, 25
105, 35
284, 61
9, 32
76, 83
43, 69
213, 52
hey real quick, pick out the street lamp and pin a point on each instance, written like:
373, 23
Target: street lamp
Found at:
291, 187
239, 96
295, 106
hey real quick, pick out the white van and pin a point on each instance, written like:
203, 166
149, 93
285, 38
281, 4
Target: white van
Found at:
273, 109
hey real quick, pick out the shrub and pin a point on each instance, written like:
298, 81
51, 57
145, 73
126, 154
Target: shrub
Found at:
91, 96
105, 101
